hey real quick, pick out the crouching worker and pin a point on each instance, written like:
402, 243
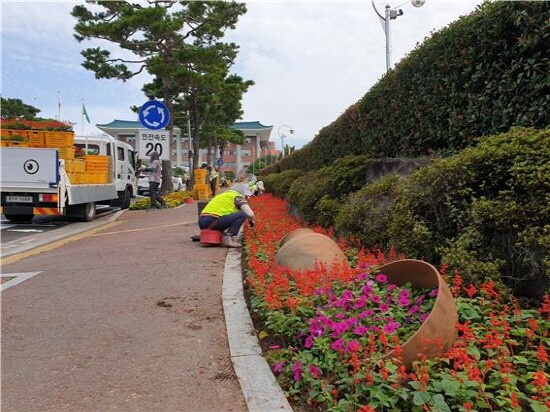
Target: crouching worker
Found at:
227, 212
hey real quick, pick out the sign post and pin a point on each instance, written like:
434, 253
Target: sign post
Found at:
154, 116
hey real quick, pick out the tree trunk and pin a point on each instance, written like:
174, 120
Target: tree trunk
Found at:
167, 186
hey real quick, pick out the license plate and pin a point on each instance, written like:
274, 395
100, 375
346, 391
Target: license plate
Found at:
19, 199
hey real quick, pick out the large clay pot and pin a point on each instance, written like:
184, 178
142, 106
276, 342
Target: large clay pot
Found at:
295, 233
438, 332
302, 250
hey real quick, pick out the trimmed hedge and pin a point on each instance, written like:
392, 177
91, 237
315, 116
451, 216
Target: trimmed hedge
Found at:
485, 210
481, 75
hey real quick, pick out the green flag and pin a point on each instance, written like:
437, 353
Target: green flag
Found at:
85, 113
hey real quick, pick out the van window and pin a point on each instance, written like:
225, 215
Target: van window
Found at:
120, 153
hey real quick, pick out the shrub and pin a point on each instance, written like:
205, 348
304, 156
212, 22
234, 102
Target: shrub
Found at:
365, 212
279, 183
487, 206
307, 190
479, 76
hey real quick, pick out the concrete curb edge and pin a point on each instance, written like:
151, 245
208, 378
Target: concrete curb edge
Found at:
258, 384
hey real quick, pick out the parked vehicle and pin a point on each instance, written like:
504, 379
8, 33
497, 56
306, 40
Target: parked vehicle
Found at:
177, 183
47, 180
143, 183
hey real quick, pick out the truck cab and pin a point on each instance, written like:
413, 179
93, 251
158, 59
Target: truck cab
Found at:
124, 165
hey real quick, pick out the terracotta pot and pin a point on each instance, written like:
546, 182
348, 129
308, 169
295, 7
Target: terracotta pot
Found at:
438, 332
301, 251
295, 233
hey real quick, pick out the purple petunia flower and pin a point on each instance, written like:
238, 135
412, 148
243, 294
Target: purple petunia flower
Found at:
434, 293
308, 342
384, 307
338, 344
315, 371
361, 330
381, 278
404, 293
391, 327
360, 302
419, 300
297, 369
424, 316
413, 309
366, 314
278, 367
375, 298
403, 302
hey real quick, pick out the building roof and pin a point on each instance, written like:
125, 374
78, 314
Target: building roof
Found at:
250, 126
135, 124
122, 124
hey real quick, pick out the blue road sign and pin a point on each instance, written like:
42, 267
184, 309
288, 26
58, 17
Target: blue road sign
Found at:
154, 115
219, 162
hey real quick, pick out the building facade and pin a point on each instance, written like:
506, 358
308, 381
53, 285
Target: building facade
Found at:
236, 158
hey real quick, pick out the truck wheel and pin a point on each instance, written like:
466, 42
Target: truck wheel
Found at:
88, 212
126, 199
19, 218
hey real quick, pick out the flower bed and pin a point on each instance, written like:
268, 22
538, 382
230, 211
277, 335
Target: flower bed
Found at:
172, 200
326, 334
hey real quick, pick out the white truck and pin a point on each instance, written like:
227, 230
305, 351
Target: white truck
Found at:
34, 181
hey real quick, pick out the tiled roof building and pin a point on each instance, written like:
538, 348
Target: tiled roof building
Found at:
236, 158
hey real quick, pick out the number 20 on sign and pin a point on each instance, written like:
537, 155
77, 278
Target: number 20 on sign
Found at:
154, 141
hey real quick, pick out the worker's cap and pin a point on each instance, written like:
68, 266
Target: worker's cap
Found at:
241, 188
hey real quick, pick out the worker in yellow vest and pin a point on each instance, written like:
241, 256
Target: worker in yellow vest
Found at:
227, 212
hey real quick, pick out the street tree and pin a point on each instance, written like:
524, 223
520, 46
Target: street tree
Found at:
15, 108
167, 39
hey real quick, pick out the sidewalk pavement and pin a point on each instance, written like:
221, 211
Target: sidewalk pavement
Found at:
133, 317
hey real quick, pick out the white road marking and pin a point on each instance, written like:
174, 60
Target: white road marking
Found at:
25, 230
17, 278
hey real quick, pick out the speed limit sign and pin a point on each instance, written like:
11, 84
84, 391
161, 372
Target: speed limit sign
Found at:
154, 141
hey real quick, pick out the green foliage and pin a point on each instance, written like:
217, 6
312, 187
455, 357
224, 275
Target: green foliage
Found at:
15, 108
484, 210
365, 212
179, 44
326, 211
481, 75
307, 191
279, 184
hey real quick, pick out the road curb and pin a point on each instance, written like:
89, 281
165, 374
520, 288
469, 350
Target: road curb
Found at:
258, 384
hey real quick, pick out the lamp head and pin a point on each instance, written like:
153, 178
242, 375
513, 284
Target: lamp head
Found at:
291, 131
418, 3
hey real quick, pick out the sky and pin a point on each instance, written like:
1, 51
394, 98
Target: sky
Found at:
310, 60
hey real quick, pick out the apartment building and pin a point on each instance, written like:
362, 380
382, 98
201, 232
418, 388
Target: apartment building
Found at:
236, 158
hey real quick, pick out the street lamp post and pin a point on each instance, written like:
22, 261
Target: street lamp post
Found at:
392, 14
281, 132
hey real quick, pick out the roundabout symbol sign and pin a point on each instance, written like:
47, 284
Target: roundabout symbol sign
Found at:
154, 115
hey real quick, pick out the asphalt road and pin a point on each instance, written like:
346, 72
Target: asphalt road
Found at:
127, 317
18, 237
